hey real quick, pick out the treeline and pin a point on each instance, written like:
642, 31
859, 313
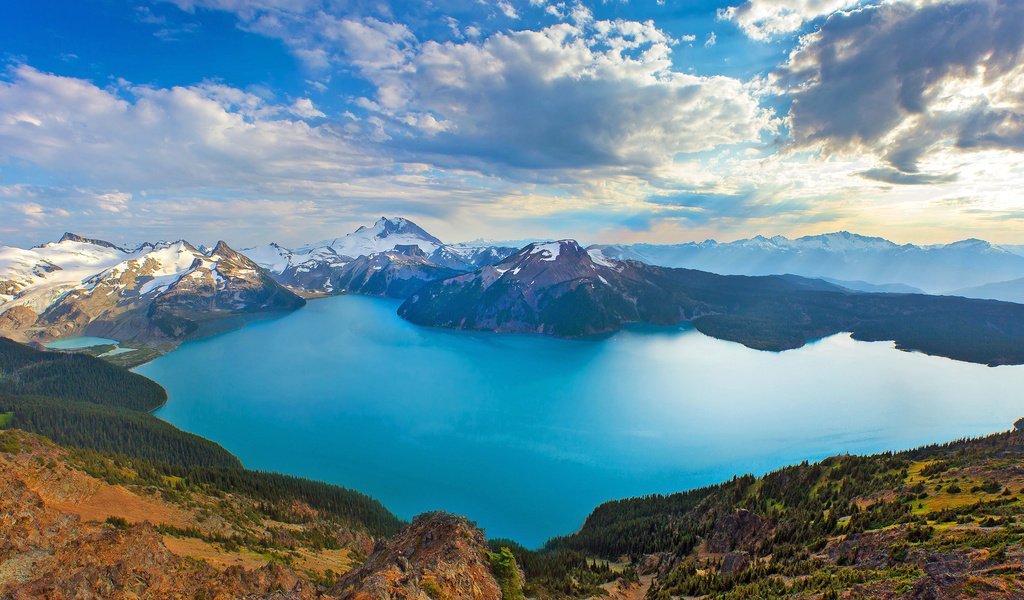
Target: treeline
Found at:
83, 402
111, 429
25, 371
560, 574
279, 492
636, 526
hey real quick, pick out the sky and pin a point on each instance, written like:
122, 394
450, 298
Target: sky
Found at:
607, 121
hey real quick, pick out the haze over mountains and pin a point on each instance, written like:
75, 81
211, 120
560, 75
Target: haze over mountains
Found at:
860, 262
162, 293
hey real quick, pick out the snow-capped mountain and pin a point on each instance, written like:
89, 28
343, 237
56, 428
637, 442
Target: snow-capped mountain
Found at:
547, 287
322, 266
35, 277
382, 236
464, 257
159, 292
840, 256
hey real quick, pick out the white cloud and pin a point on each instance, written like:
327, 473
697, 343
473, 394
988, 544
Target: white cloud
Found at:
507, 9
207, 135
114, 202
763, 19
563, 97
711, 40
304, 108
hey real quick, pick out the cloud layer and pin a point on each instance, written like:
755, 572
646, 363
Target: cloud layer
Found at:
567, 125
602, 94
902, 82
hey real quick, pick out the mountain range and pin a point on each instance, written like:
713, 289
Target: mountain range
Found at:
159, 294
561, 289
863, 262
393, 258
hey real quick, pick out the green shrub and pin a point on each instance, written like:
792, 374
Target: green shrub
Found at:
503, 564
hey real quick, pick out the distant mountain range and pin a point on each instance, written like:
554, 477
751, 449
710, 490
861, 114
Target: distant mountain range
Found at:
159, 294
937, 269
561, 289
393, 257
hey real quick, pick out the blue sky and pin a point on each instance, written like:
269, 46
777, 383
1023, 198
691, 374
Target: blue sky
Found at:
295, 120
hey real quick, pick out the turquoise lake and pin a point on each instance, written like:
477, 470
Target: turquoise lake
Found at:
527, 434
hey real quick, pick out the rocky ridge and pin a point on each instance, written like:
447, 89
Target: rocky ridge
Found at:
561, 289
158, 294
66, 533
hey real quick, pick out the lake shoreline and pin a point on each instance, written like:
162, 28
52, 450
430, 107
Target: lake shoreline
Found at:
360, 381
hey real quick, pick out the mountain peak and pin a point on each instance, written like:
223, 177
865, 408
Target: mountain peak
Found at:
382, 236
74, 237
552, 250
385, 227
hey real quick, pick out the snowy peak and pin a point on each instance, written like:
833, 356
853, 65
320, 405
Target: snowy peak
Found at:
385, 227
842, 241
382, 236
551, 251
273, 257
548, 263
74, 237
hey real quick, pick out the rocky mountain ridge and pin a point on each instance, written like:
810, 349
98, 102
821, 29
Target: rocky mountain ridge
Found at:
157, 294
561, 289
395, 253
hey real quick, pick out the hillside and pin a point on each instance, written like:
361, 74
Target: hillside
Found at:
558, 288
92, 525
130, 505
942, 521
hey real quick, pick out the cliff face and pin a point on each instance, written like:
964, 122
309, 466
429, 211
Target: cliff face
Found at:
437, 556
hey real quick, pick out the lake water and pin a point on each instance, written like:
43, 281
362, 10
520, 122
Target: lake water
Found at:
526, 434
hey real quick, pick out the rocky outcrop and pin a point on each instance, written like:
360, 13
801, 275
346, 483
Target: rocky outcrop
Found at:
17, 318
438, 556
735, 531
